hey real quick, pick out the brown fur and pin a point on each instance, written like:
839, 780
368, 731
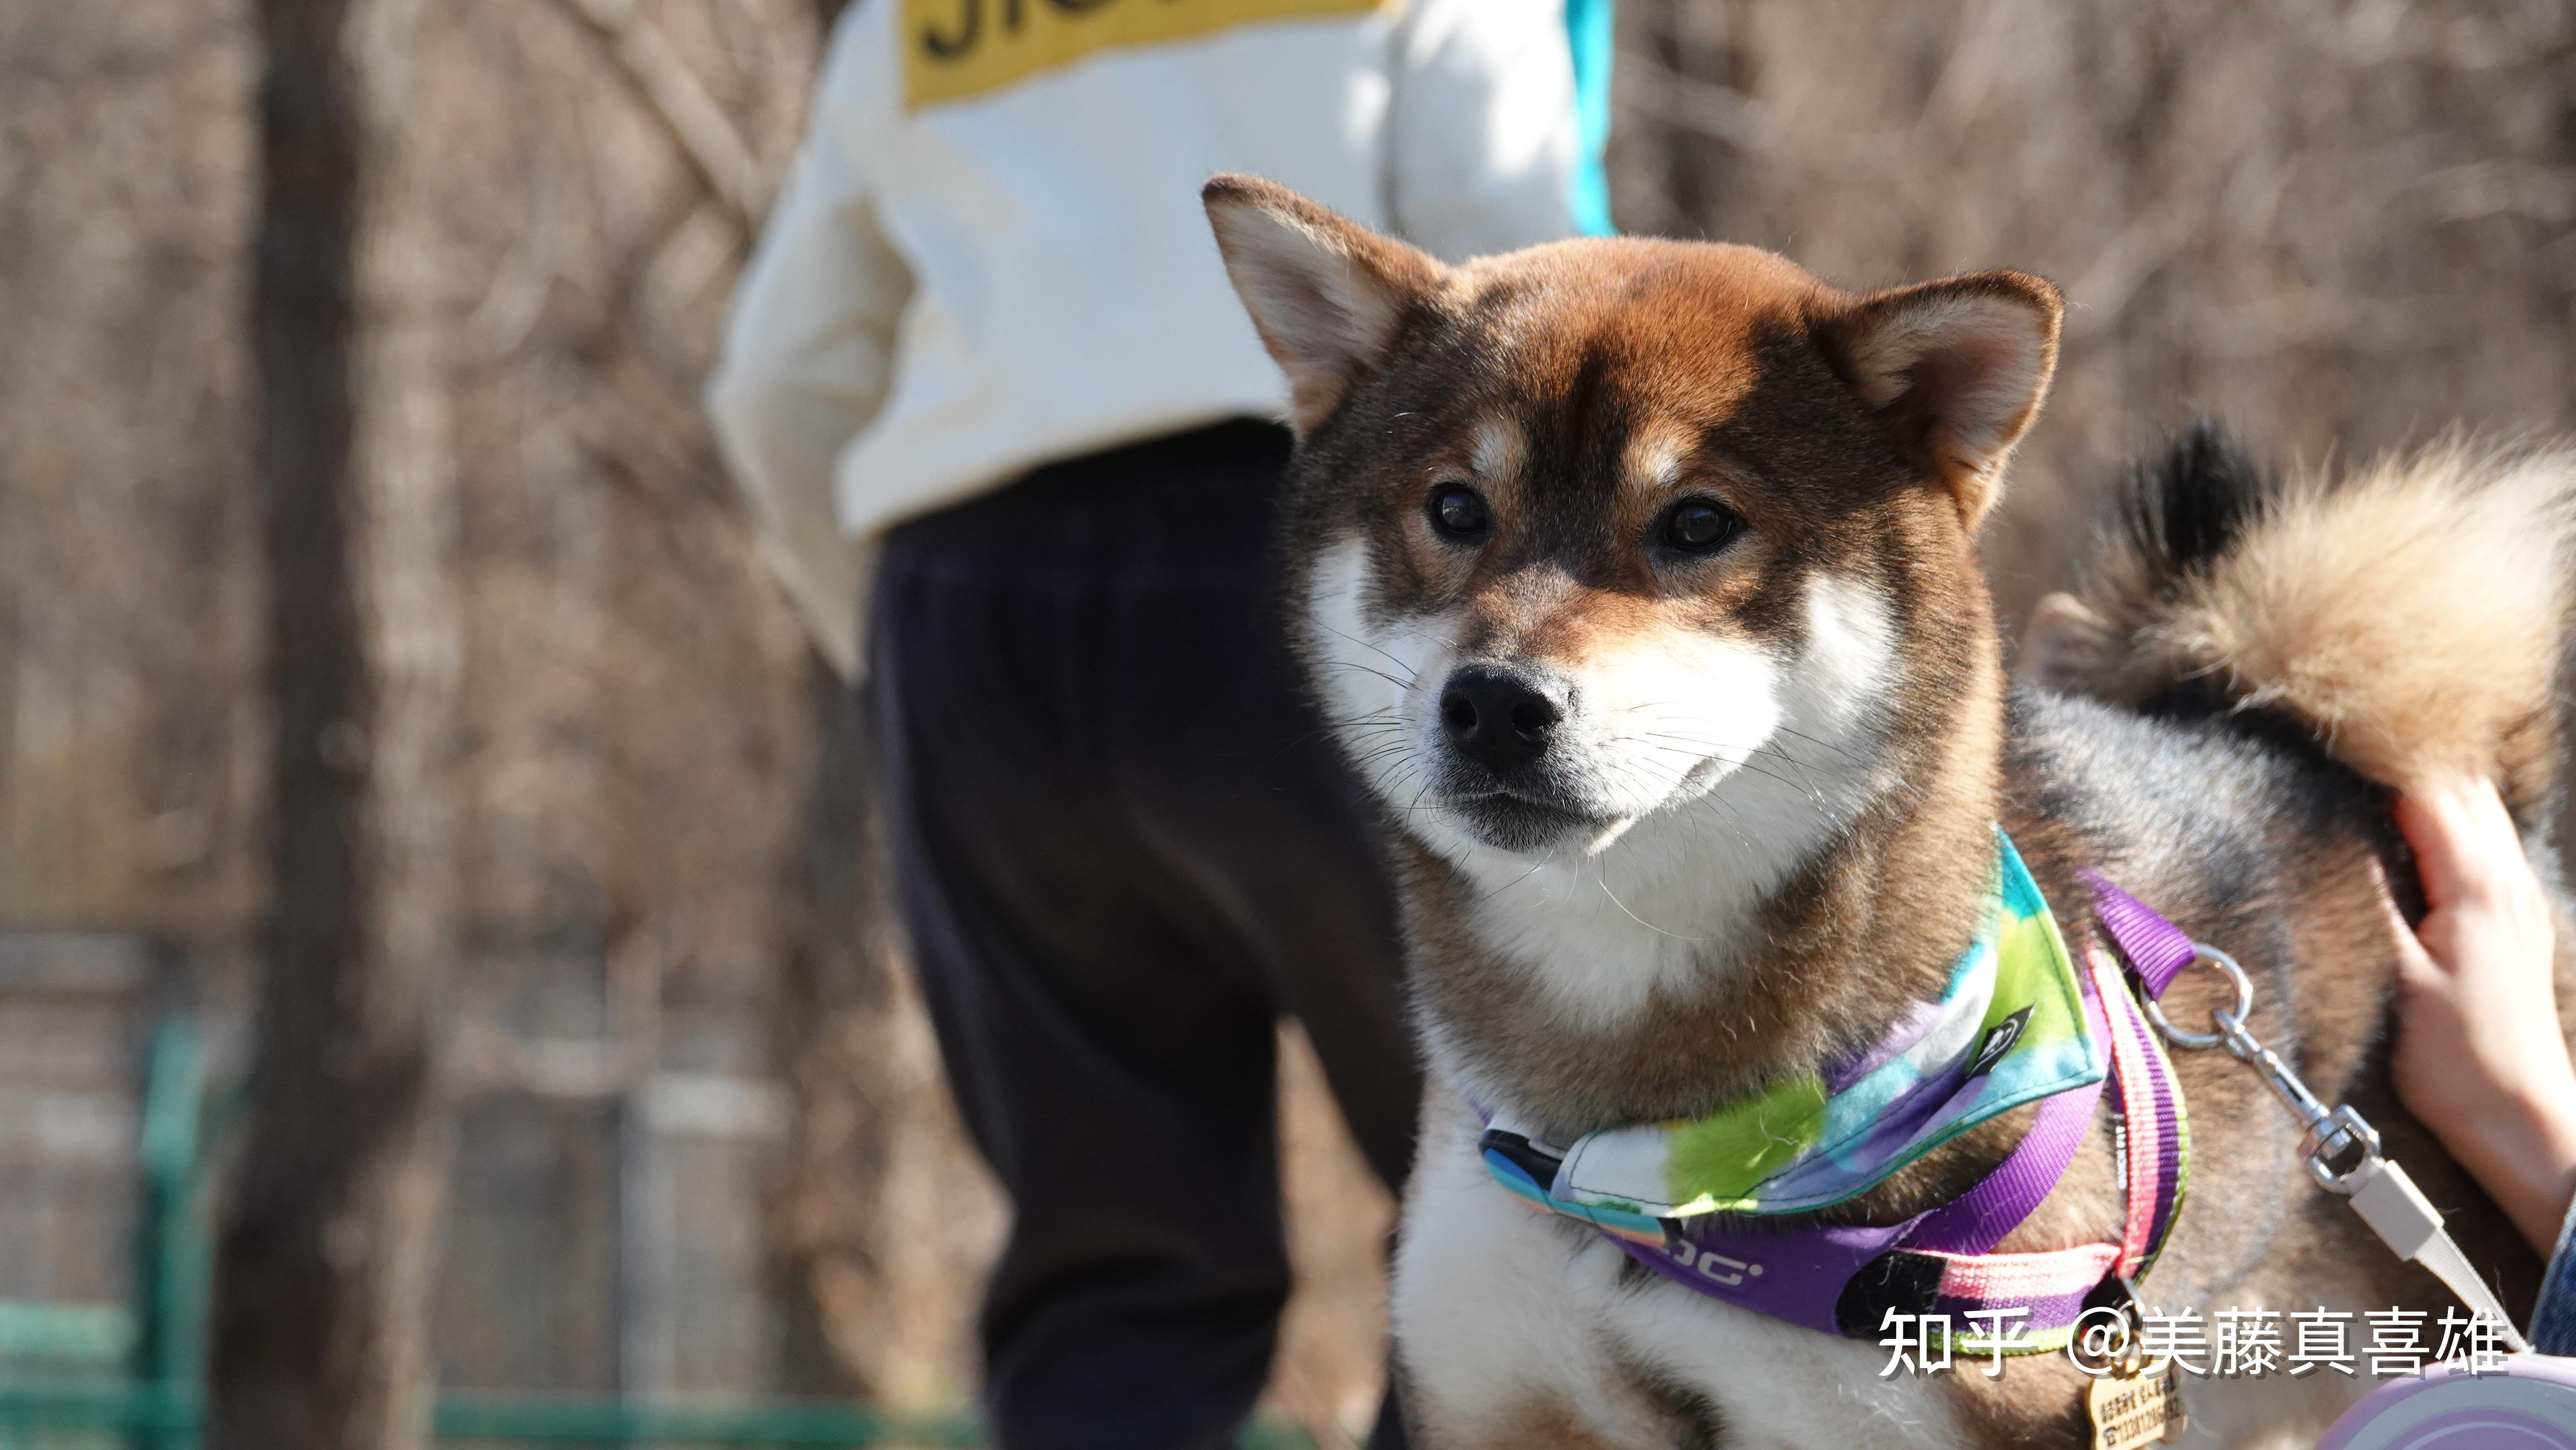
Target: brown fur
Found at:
1528, 1425
2392, 616
1601, 320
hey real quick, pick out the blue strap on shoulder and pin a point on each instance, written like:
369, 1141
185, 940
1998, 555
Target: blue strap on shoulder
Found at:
1588, 35
2553, 1319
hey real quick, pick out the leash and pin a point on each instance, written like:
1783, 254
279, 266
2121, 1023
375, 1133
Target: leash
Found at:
2379, 1190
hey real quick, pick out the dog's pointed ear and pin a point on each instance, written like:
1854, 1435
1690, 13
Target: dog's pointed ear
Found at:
1325, 293
1956, 370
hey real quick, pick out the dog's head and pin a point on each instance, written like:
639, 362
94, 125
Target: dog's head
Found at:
1582, 534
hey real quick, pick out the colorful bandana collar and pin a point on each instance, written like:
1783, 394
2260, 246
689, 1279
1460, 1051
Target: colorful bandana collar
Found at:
2009, 1029
1940, 1266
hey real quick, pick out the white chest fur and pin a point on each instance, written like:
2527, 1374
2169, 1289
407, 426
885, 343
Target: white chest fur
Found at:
1500, 1315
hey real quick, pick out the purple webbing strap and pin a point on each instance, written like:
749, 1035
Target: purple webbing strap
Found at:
1798, 1274
2156, 949
1977, 1220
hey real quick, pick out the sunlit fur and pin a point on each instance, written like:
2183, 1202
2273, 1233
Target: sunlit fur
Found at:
2406, 610
1762, 822
1709, 768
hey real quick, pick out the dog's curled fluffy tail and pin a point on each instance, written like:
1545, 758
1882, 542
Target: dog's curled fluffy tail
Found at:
2411, 613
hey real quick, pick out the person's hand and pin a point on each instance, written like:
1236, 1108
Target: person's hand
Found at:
2480, 1059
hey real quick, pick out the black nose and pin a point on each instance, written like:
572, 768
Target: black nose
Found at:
1497, 718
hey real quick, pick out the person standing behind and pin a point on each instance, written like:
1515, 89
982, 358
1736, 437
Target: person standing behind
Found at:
986, 368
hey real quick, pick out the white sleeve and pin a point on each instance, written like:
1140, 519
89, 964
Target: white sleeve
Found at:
1482, 136
809, 347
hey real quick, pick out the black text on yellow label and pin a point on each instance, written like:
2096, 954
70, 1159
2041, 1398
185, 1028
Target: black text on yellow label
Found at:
958, 48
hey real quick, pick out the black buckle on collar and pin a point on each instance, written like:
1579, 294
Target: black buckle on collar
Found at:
1521, 1154
1896, 1282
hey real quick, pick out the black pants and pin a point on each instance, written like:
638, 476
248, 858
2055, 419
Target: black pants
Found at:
1123, 847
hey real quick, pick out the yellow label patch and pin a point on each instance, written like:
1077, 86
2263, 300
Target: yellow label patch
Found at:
958, 48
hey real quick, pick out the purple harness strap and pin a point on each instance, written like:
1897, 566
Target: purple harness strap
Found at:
1807, 1274
1843, 1279
2156, 949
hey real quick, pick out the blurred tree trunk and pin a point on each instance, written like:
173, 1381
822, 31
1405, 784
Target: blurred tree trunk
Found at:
885, 1220
325, 1270
835, 994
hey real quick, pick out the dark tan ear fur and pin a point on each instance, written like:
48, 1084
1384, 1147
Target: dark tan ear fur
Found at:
1956, 369
1326, 294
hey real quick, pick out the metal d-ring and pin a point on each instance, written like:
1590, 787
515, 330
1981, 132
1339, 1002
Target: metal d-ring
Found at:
2230, 1023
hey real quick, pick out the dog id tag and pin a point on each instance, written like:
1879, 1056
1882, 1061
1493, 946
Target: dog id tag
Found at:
2130, 1409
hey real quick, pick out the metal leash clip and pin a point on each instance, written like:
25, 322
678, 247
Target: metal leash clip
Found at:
2341, 1151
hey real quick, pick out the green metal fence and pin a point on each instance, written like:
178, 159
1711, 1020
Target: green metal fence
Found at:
83, 1375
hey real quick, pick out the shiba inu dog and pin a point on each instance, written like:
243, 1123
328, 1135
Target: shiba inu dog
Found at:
1638, 579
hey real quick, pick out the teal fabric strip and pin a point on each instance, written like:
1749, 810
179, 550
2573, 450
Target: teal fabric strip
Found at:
1589, 34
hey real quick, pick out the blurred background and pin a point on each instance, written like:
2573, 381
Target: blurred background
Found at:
696, 1139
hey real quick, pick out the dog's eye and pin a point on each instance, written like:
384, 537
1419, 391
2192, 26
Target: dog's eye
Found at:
1459, 512
1700, 526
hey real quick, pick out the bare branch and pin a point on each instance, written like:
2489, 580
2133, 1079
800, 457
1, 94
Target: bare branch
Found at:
671, 91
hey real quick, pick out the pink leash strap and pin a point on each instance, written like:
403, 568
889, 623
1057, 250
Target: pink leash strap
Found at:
2154, 1123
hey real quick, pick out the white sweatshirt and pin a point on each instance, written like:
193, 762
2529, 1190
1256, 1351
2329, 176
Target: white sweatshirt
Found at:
991, 254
